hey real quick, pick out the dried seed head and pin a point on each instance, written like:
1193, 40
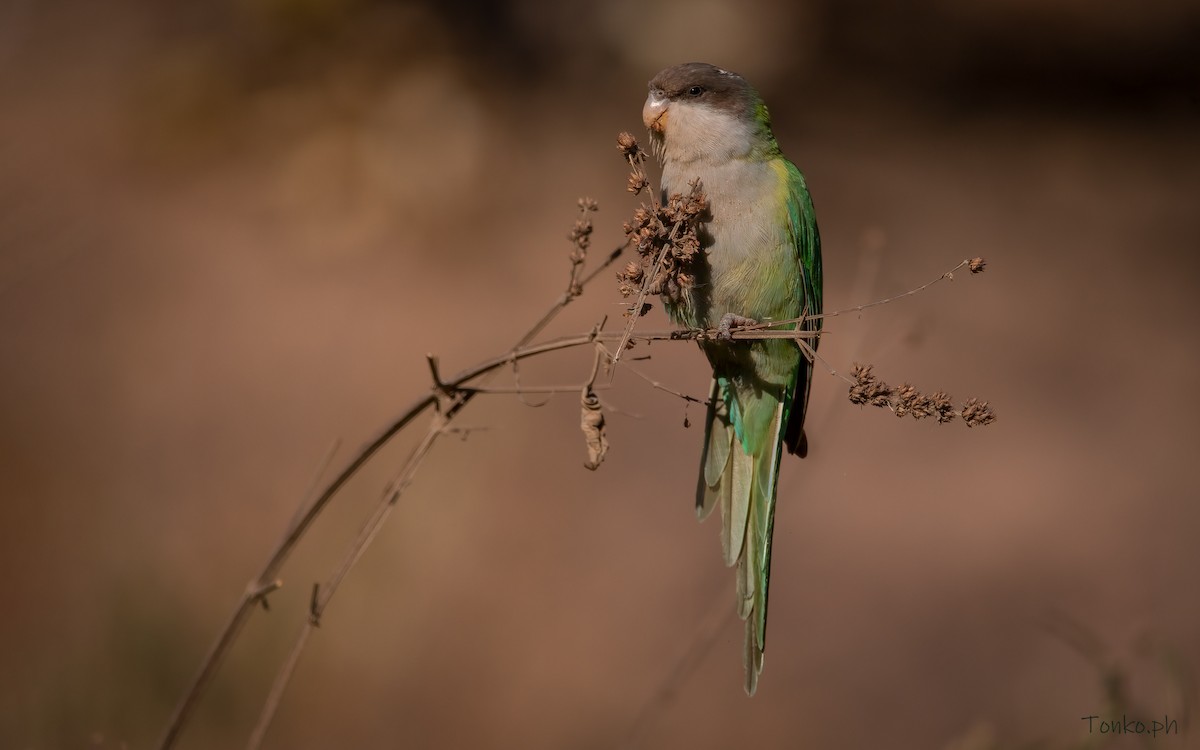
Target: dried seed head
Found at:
923, 407
695, 203
629, 280
581, 233
943, 407
687, 245
641, 218
628, 146
977, 265
869, 389
906, 396
637, 182
581, 238
976, 412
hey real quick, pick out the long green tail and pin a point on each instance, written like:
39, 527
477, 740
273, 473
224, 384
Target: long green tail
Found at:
743, 437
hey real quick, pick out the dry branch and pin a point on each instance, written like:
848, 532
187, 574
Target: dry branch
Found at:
267, 578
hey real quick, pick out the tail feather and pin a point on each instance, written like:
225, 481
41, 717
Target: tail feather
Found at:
752, 659
741, 479
717, 438
738, 472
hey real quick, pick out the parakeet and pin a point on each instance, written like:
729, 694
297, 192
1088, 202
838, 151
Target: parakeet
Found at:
761, 261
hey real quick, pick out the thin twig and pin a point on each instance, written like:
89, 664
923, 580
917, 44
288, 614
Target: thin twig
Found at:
323, 594
574, 286
315, 483
275, 697
567, 297
452, 398
279, 555
947, 275
858, 308
523, 389
296, 531
391, 495
811, 353
455, 399
660, 386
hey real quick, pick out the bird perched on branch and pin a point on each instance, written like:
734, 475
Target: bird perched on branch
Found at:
761, 261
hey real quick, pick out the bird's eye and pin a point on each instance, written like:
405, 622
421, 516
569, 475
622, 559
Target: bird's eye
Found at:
695, 91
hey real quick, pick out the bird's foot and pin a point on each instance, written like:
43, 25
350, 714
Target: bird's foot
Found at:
731, 321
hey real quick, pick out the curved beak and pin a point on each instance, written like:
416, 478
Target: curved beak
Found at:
654, 113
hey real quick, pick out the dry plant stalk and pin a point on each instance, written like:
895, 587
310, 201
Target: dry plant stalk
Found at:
666, 237
906, 400
449, 397
667, 241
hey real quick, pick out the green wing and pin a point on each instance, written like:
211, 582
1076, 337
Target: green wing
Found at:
802, 223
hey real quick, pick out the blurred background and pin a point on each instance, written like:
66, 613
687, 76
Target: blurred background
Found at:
230, 231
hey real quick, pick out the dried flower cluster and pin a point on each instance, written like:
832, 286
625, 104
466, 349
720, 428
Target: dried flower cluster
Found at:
629, 148
581, 239
977, 265
908, 401
666, 236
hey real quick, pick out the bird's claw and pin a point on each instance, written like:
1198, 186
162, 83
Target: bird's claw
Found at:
730, 321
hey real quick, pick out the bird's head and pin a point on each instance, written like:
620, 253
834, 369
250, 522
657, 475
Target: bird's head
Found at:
698, 111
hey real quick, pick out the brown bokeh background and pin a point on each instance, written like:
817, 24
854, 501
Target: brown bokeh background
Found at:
229, 232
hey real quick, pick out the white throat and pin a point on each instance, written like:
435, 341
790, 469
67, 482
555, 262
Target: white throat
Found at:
696, 132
